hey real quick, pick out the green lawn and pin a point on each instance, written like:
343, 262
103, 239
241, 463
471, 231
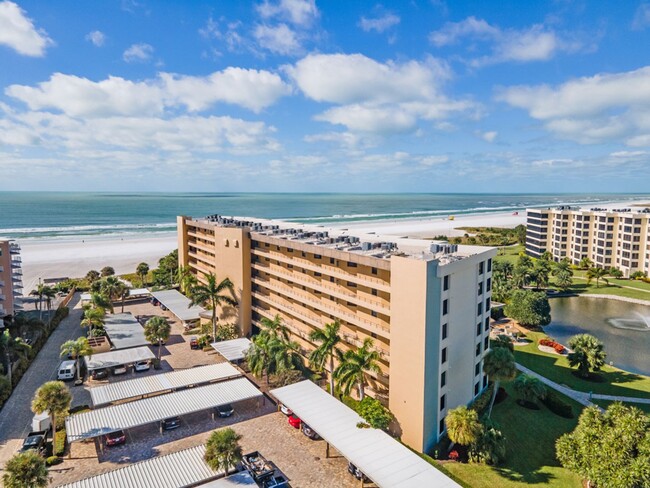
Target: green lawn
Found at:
635, 289
556, 368
531, 459
509, 254
641, 406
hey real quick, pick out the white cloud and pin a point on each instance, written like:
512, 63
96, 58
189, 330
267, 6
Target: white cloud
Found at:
604, 107
19, 33
279, 39
379, 24
141, 52
641, 17
298, 12
81, 97
535, 43
489, 136
98, 38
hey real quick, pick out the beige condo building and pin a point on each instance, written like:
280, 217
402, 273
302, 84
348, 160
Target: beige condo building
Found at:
618, 238
425, 304
10, 278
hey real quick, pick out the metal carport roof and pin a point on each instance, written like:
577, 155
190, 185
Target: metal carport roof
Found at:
116, 358
178, 304
234, 349
147, 385
243, 478
388, 463
124, 331
101, 421
179, 469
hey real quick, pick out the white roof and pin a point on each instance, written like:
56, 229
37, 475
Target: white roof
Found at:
116, 358
101, 421
178, 304
124, 330
138, 292
388, 463
232, 350
179, 469
86, 297
146, 385
243, 478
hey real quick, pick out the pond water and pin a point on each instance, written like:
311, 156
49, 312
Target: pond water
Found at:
623, 327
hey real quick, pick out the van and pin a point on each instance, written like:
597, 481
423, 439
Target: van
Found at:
67, 370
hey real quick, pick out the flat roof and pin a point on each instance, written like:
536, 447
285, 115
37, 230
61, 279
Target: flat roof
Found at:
234, 349
179, 469
243, 478
178, 304
139, 292
87, 425
86, 296
119, 357
387, 462
124, 330
146, 385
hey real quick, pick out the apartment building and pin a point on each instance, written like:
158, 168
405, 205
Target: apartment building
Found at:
618, 238
10, 278
425, 304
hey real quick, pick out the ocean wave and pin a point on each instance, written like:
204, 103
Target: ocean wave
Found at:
86, 228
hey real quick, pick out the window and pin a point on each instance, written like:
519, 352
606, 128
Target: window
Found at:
479, 329
479, 309
291, 250
444, 331
351, 264
352, 285
488, 284
316, 273
476, 388
478, 349
317, 256
484, 381
373, 313
331, 260
487, 304
487, 324
442, 425
443, 400
374, 292
486, 343
445, 283
443, 379
374, 271
477, 369
480, 288
480, 268
444, 355
489, 265
445, 307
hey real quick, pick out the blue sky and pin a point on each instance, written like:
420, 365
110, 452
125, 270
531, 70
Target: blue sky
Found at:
301, 95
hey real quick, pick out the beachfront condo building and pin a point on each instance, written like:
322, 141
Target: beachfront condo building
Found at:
618, 238
424, 304
11, 287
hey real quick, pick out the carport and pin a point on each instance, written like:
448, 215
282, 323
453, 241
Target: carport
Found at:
87, 425
124, 331
156, 384
179, 305
118, 358
387, 462
233, 350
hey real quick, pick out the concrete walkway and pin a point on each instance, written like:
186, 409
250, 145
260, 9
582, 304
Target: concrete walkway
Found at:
580, 396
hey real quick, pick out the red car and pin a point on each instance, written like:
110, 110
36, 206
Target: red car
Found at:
194, 342
115, 438
294, 421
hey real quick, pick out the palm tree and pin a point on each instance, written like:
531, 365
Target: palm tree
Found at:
213, 293
564, 279
186, 279
354, 364
124, 292
107, 271
502, 341
142, 271
499, 365
269, 354
49, 293
77, 349
529, 388
53, 397
23, 323
38, 292
157, 329
93, 317
12, 346
92, 276
598, 274
275, 328
222, 451
100, 301
257, 356
25, 470
328, 338
463, 426
588, 354
586, 263
111, 287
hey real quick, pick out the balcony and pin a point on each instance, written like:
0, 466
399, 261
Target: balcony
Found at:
14, 248
3, 312
2, 297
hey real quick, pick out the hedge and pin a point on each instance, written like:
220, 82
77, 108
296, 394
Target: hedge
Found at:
53, 460
59, 442
556, 405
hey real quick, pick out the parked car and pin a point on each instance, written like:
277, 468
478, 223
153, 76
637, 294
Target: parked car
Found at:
170, 423
67, 370
100, 374
257, 465
285, 410
35, 441
294, 421
225, 410
194, 342
121, 369
277, 481
115, 438
163, 307
142, 365
309, 432
354, 471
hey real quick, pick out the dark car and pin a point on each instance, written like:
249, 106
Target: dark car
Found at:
35, 441
277, 481
171, 423
225, 410
194, 342
354, 471
115, 438
100, 374
309, 432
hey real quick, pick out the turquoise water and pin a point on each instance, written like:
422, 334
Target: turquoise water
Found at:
61, 214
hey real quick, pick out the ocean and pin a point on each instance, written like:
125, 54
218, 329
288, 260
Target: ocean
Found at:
37, 215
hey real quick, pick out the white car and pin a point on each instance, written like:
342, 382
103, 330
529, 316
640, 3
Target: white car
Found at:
142, 366
121, 369
285, 410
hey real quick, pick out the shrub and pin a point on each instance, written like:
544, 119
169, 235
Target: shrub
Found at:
226, 332
490, 447
204, 341
5, 389
59, 443
53, 460
374, 413
556, 405
453, 455
79, 408
481, 402
285, 377
559, 348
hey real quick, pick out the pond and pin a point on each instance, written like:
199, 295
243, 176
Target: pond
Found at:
623, 327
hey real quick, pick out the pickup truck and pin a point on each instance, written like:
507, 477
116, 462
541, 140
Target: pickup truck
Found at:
257, 465
35, 441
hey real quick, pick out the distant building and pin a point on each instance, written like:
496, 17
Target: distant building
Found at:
618, 238
11, 287
425, 304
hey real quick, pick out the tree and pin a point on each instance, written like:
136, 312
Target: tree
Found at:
25, 470
588, 354
167, 269
463, 426
275, 328
38, 292
610, 449
215, 295
77, 349
502, 341
258, 355
107, 271
374, 413
142, 271
354, 364
615, 272
328, 338
585, 263
597, 274
521, 234
222, 451
186, 279
539, 273
12, 346
92, 276
529, 388
157, 329
564, 279
499, 365
100, 301
53, 397
490, 448
111, 287
529, 308
93, 317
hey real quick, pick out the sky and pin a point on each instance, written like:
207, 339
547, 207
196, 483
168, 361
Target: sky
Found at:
315, 96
